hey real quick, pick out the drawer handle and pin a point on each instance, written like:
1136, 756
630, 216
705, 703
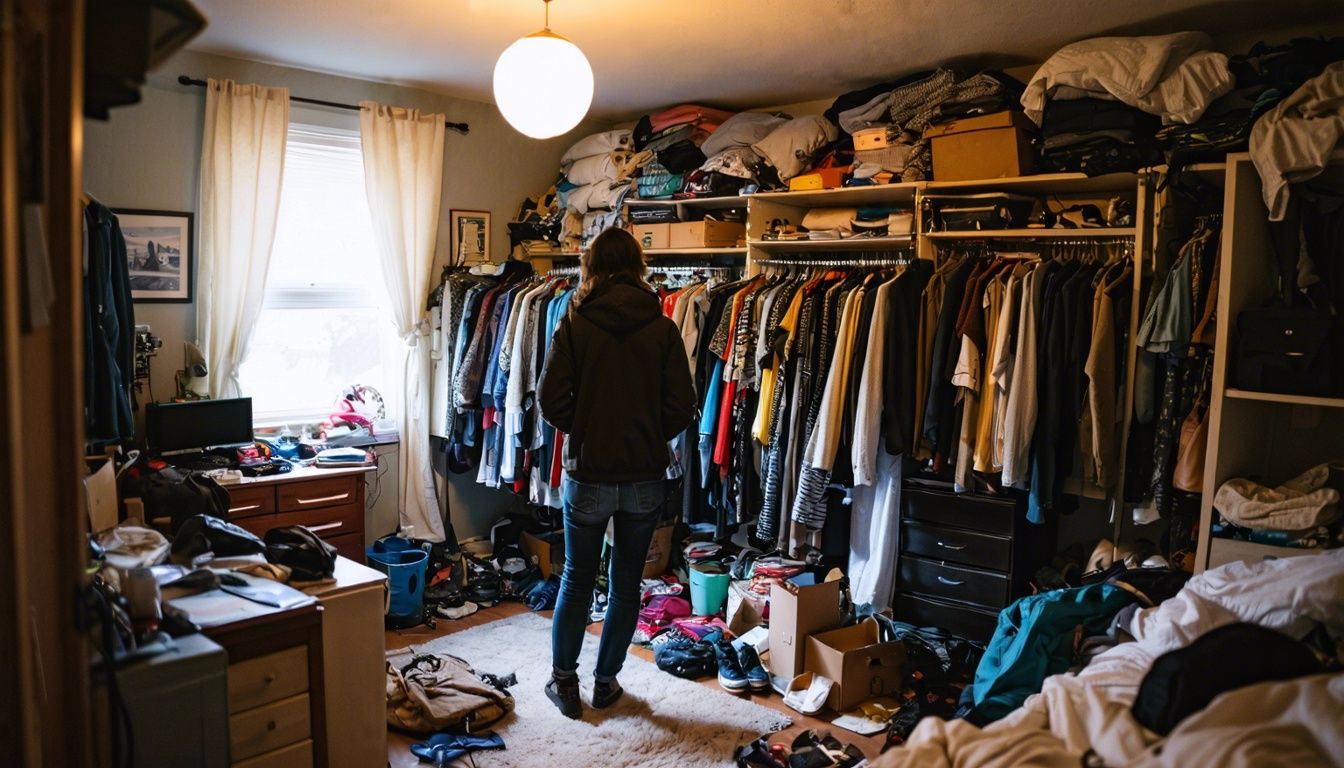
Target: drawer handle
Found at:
950, 582
953, 547
270, 678
244, 509
324, 527
321, 499
270, 726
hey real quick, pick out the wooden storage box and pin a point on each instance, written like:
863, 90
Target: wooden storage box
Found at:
984, 147
652, 235
706, 234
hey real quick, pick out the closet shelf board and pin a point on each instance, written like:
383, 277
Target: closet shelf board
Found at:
727, 250
1043, 234
1051, 183
876, 194
835, 246
1272, 397
715, 203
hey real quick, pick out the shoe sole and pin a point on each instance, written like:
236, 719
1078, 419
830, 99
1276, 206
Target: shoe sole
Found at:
728, 685
759, 685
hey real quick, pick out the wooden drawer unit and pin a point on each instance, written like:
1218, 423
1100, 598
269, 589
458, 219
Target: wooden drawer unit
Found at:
330, 505
963, 557
297, 755
268, 678
263, 729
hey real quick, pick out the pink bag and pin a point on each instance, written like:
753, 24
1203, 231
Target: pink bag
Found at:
707, 117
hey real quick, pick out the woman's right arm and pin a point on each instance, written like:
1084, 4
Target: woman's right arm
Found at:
678, 391
557, 380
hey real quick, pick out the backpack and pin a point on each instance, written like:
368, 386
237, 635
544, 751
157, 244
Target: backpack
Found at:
428, 693
308, 557
180, 496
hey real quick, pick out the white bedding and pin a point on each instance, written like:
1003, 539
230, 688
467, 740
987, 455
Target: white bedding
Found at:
1292, 723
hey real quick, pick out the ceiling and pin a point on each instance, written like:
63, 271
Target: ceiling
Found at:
730, 53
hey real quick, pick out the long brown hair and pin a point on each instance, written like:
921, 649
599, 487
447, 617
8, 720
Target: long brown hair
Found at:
614, 256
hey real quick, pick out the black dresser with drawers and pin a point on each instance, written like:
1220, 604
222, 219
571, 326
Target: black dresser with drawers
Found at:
963, 557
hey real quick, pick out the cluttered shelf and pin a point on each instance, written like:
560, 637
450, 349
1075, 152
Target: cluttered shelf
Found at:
1026, 233
1051, 183
873, 194
845, 244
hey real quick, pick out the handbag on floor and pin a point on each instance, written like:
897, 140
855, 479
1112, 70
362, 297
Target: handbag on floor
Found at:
436, 692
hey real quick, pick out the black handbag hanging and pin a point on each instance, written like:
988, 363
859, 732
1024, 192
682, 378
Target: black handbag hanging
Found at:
1284, 347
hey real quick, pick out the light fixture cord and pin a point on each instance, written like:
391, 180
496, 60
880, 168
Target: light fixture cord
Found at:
547, 5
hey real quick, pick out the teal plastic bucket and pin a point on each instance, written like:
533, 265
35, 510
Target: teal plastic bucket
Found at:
709, 588
405, 569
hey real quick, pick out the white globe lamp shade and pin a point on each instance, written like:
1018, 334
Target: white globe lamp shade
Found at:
543, 85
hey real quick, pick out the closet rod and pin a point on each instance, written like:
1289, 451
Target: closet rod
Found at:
844, 261
460, 127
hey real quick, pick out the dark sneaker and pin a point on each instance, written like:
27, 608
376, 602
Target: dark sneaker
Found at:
606, 694
731, 676
750, 662
564, 694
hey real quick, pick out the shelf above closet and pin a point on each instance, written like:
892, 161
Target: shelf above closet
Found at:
850, 244
875, 194
725, 251
1274, 397
1060, 184
1042, 234
705, 203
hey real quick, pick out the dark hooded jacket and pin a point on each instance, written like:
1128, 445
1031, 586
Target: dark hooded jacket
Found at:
618, 383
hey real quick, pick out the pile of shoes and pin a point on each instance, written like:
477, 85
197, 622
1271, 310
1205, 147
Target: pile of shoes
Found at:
811, 749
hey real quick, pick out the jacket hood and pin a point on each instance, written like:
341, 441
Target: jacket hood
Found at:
620, 308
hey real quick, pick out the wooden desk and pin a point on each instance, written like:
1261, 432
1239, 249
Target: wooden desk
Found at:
329, 502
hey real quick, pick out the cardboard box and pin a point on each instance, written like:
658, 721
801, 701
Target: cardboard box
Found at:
746, 609
660, 553
795, 614
985, 147
861, 665
822, 178
652, 235
706, 234
548, 548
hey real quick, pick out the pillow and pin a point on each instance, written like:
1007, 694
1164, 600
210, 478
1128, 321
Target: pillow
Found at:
790, 147
597, 144
741, 130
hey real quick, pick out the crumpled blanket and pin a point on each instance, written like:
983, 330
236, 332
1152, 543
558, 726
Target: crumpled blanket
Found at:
1174, 76
1293, 141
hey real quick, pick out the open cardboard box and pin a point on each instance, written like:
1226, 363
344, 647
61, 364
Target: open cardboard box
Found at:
548, 548
862, 666
795, 614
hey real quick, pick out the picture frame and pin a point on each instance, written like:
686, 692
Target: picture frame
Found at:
470, 241
160, 253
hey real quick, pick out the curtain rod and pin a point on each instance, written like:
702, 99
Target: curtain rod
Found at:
461, 127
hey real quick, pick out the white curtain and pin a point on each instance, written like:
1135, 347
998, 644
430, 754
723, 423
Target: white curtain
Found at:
403, 175
242, 164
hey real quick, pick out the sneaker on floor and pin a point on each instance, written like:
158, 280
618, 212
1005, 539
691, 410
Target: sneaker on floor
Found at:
606, 694
598, 611
750, 661
565, 695
458, 611
731, 676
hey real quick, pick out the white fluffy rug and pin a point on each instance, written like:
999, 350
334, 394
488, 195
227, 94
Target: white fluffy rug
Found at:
661, 722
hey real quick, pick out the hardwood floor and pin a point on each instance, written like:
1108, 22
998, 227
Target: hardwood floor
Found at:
398, 744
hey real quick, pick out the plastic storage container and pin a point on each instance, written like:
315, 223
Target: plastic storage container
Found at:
405, 567
709, 588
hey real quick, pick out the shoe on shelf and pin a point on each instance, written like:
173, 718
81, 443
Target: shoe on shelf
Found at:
757, 678
606, 694
564, 694
731, 676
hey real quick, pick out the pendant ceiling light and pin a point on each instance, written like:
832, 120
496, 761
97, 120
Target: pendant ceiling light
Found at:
543, 84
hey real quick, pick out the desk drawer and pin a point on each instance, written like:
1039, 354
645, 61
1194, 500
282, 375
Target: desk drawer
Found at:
957, 545
350, 545
268, 678
294, 756
317, 494
327, 522
963, 510
970, 585
260, 730
257, 526
961, 620
250, 500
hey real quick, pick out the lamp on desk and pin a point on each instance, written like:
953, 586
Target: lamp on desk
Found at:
191, 378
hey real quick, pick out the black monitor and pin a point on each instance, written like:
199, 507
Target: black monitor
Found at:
198, 425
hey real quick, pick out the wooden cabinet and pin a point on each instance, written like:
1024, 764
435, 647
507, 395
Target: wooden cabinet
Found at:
329, 502
963, 557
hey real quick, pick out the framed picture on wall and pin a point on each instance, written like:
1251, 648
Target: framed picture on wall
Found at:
159, 253
470, 238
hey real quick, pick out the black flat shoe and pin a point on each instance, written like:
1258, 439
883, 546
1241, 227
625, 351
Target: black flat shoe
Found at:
606, 694
565, 695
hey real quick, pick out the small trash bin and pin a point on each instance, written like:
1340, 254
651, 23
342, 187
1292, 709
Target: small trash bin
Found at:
405, 567
709, 588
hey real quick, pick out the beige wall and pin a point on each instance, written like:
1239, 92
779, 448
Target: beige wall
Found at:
147, 156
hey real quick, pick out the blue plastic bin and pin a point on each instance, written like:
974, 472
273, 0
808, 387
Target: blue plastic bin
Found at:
405, 569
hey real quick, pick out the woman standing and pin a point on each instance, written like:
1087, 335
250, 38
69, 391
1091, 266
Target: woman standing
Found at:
618, 384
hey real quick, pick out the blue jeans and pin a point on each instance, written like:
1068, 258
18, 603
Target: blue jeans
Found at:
588, 507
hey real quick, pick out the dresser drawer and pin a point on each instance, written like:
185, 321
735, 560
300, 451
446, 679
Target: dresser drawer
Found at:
957, 545
970, 585
257, 526
316, 494
350, 545
326, 522
293, 756
260, 730
250, 500
962, 510
961, 620
268, 678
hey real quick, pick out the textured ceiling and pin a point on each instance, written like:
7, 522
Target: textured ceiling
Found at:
731, 53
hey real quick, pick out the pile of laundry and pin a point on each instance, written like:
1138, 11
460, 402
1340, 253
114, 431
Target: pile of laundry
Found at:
459, 585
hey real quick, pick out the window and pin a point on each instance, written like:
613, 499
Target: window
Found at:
325, 323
